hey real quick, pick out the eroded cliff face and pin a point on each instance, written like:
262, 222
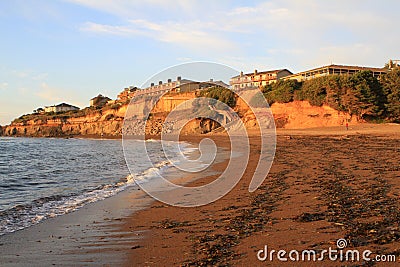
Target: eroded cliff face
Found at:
297, 115
300, 114
100, 122
109, 122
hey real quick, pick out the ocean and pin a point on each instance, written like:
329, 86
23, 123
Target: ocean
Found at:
41, 178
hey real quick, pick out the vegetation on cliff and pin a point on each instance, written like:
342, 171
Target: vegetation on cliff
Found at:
391, 89
360, 94
63, 116
221, 94
281, 91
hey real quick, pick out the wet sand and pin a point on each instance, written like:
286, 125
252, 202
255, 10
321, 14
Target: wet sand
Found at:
325, 184
90, 236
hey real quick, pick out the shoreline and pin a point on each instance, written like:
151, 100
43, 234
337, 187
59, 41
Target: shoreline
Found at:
359, 128
291, 210
82, 237
88, 235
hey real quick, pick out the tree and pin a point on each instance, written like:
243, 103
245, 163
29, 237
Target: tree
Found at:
281, 91
221, 94
313, 91
391, 88
334, 90
364, 96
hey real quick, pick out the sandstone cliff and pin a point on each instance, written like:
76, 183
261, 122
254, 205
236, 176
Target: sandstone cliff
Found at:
108, 121
300, 114
95, 122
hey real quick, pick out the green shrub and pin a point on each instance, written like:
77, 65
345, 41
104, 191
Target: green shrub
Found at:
281, 91
221, 94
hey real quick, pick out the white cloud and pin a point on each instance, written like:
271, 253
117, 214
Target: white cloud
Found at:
26, 74
191, 35
307, 34
279, 12
184, 59
20, 73
40, 77
298, 33
109, 29
242, 11
54, 95
3, 86
356, 54
134, 8
49, 93
115, 7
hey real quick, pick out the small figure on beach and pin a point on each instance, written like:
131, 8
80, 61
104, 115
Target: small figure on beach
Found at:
347, 126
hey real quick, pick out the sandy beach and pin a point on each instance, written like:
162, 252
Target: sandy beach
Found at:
325, 184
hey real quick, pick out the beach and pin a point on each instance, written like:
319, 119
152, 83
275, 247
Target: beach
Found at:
324, 185
90, 236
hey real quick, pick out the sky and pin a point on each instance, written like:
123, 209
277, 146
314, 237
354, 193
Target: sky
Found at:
70, 51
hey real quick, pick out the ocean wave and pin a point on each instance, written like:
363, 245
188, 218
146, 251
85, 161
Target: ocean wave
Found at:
23, 216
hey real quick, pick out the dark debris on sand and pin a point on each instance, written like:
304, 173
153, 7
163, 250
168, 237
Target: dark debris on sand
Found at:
218, 249
351, 179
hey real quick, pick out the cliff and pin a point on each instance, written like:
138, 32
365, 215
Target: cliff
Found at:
108, 121
90, 122
297, 115
300, 114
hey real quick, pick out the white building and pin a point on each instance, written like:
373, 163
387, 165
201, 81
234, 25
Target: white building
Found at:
60, 107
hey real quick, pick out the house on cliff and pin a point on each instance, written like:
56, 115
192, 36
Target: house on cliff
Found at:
60, 108
179, 86
334, 70
257, 79
127, 94
185, 85
99, 101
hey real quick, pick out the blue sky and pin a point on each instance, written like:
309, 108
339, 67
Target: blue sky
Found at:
72, 50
